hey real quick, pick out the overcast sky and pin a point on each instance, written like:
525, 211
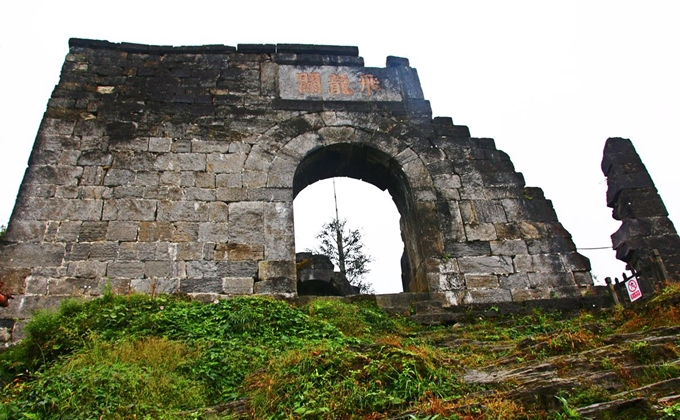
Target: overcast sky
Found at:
549, 81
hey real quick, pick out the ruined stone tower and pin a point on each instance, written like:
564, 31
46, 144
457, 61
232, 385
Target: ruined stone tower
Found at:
175, 169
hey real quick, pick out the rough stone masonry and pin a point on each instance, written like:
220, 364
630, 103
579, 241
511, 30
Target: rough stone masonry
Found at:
174, 169
645, 226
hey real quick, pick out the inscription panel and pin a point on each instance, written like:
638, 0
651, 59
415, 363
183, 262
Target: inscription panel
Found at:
334, 83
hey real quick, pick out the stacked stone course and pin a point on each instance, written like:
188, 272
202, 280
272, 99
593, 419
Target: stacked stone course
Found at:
173, 169
645, 225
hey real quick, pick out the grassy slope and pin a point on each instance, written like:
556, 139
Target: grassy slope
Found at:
164, 357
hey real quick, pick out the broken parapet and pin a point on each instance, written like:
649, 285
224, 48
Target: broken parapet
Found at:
636, 202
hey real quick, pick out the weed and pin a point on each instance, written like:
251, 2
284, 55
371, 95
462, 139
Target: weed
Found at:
121, 380
671, 412
567, 411
608, 364
348, 382
641, 351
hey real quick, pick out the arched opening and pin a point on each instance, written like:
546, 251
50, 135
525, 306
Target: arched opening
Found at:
366, 208
362, 162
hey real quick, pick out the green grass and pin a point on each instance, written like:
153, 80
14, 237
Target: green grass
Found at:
140, 356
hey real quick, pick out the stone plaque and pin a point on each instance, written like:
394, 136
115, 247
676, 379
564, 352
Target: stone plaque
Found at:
335, 83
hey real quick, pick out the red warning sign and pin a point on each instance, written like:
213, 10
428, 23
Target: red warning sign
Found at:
634, 291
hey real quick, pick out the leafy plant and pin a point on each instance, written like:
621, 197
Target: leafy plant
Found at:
567, 411
671, 412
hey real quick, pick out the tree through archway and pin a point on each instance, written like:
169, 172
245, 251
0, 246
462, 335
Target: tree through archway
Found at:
363, 162
366, 208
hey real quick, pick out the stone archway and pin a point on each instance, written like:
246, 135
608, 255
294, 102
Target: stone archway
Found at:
187, 183
364, 163
369, 155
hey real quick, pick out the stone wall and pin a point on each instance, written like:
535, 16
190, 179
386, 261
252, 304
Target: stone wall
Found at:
174, 169
645, 224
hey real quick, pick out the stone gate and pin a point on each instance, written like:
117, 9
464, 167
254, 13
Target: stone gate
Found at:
174, 169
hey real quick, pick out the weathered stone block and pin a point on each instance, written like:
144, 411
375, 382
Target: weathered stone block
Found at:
225, 162
51, 232
125, 269
129, 209
155, 285
481, 232
104, 251
76, 252
35, 285
14, 279
521, 295
279, 231
447, 281
160, 144
481, 281
275, 286
66, 191
529, 230
169, 178
246, 222
146, 178
187, 178
583, 278
159, 269
213, 232
87, 269
551, 280
550, 246
254, 179
508, 247
55, 175
95, 158
480, 296
237, 269
275, 269
25, 306
270, 194
73, 287
31, 255
86, 210
121, 231
237, 285
231, 194
183, 211
489, 211
486, 265
464, 249
185, 232
92, 231
201, 269
514, 281
116, 176
155, 231
574, 261
616, 185
233, 180
637, 203
204, 285
189, 251
25, 231
205, 180
239, 252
